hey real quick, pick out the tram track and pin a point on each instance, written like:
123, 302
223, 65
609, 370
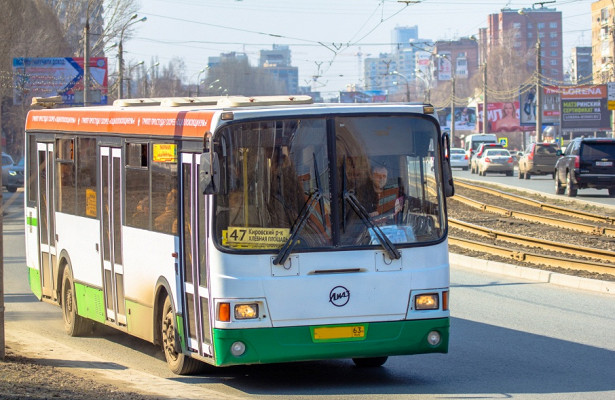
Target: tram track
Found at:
530, 232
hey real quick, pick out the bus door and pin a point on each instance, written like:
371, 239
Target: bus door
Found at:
111, 233
195, 276
46, 219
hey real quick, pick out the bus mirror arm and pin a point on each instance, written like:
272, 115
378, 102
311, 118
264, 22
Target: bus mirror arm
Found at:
209, 173
447, 172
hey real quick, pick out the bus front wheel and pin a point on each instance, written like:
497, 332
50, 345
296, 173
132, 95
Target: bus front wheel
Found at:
369, 362
178, 363
74, 324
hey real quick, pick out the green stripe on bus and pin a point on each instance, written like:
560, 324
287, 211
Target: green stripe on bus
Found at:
90, 302
34, 278
32, 221
276, 345
179, 323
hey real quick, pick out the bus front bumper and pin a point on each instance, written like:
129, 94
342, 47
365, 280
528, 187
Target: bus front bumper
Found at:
277, 345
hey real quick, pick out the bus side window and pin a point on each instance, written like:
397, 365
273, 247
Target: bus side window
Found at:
86, 178
165, 207
137, 186
66, 175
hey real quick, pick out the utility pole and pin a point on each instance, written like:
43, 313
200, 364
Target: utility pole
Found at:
453, 107
86, 60
538, 94
485, 114
2, 350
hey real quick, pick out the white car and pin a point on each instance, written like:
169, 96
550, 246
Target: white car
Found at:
459, 159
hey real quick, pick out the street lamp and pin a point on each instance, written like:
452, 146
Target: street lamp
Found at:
427, 94
405, 79
147, 93
198, 82
130, 76
445, 56
133, 20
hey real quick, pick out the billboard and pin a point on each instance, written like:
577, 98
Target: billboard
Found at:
445, 67
550, 106
584, 108
465, 118
63, 76
502, 117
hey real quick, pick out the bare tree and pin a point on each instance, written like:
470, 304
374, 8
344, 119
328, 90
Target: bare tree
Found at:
106, 19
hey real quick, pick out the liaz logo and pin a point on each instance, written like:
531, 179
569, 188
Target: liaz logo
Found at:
339, 296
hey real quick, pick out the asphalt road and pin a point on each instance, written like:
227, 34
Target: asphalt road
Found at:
509, 338
541, 183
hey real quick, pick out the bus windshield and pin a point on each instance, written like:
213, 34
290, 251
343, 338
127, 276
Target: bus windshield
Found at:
281, 177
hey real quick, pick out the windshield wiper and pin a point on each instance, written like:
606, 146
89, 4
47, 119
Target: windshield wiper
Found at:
285, 251
388, 246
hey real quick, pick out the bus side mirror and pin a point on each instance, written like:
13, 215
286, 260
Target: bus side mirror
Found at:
209, 170
447, 172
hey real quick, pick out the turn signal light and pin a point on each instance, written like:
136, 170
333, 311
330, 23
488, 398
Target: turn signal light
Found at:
224, 312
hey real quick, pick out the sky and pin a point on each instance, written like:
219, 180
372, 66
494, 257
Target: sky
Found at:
327, 38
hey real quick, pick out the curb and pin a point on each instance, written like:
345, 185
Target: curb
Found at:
538, 275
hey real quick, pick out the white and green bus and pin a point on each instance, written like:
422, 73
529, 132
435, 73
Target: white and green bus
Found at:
243, 230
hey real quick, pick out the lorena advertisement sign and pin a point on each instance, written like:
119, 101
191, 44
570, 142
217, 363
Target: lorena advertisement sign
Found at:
584, 108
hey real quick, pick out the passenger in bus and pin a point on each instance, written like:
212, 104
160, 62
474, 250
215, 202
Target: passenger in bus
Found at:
389, 199
140, 218
167, 221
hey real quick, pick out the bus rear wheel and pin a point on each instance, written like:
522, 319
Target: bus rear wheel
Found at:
178, 363
74, 324
370, 362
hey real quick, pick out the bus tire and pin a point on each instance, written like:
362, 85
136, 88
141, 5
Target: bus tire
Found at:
74, 324
178, 363
370, 362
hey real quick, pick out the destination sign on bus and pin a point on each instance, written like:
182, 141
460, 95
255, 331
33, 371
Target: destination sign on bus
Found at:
258, 238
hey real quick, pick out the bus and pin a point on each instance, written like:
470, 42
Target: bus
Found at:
243, 230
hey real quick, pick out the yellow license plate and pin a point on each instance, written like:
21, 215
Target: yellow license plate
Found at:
339, 333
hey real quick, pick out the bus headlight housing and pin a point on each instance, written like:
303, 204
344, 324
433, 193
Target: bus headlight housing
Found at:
427, 301
246, 311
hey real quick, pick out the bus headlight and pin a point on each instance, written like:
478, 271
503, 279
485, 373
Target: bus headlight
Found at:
427, 301
246, 311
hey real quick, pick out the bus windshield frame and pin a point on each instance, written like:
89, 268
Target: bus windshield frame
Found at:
339, 181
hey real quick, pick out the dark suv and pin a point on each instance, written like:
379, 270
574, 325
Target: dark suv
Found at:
586, 163
538, 159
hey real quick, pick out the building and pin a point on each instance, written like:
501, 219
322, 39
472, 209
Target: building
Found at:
523, 29
581, 65
458, 58
277, 62
603, 56
231, 56
401, 36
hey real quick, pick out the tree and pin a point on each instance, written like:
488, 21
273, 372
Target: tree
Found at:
28, 28
106, 19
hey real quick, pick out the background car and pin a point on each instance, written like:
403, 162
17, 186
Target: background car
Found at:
586, 163
479, 153
495, 160
538, 159
7, 163
459, 159
15, 177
